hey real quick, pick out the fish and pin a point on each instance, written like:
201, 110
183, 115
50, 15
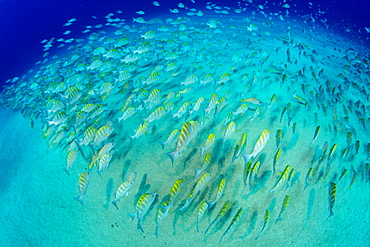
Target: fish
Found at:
332, 195
252, 101
367, 172
239, 147
122, 192
279, 137
198, 187
102, 134
234, 220
206, 162
176, 188
260, 144
265, 223
230, 129
332, 150
202, 209
129, 112
209, 142
308, 174
220, 192
170, 138
317, 130
193, 78
283, 176
188, 131
354, 176
141, 208
344, 172
181, 111
161, 215
276, 158
155, 115
211, 104
283, 207
104, 150
247, 172
83, 184
241, 110
220, 215
71, 158
253, 172
103, 163
197, 105
141, 130
256, 113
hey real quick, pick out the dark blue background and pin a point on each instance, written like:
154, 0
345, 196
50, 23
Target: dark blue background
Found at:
24, 23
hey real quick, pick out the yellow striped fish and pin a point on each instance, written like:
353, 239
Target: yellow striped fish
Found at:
83, 183
197, 105
317, 131
332, 195
155, 115
104, 150
102, 134
239, 147
206, 162
230, 129
88, 108
188, 131
193, 78
176, 188
220, 192
283, 207
207, 78
182, 110
260, 144
127, 113
233, 222
211, 104
71, 158
220, 215
141, 130
141, 207
241, 110
198, 187
332, 150
170, 138
276, 158
161, 214
202, 209
122, 191
223, 78
279, 137
210, 140
266, 221
103, 163
283, 176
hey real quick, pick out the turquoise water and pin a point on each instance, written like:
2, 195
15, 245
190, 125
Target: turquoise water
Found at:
292, 77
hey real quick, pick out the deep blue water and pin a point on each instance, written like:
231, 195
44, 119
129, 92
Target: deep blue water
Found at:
25, 23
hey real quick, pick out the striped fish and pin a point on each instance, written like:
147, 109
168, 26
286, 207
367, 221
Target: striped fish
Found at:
176, 188
283, 207
161, 215
155, 115
239, 147
71, 158
206, 162
202, 209
197, 105
332, 195
207, 78
241, 110
102, 134
279, 137
317, 131
141, 207
233, 222
220, 192
141, 130
127, 113
103, 163
188, 131
283, 176
193, 78
260, 144
182, 110
83, 183
230, 129
276, 158
121, 192
210, 140
104, 150
220, 215
198, 187
170, 138
211, 104
265, 223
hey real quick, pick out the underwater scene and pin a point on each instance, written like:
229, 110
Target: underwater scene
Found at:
199, 124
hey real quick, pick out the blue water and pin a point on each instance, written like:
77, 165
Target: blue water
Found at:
24, 23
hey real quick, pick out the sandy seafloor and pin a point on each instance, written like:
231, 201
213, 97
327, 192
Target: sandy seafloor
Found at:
37, 206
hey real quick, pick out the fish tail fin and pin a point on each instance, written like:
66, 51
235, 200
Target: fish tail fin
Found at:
139, 226
162, 144
197, 172
173, 156
66, 170
115, 204
80, 199
100, 174
246, 157
131, 138
278, 219
132, 215
211, 204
